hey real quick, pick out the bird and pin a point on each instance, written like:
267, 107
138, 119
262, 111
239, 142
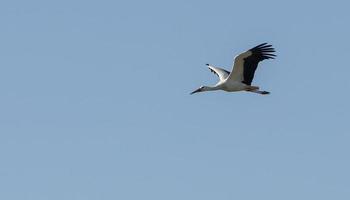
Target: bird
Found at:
242, 74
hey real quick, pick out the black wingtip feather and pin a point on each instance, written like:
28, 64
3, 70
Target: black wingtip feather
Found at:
260, 45
263, 51
266, 46
267, 49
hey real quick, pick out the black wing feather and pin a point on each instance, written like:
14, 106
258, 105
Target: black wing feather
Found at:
259, 53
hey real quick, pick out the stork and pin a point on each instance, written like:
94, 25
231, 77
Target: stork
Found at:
242, 74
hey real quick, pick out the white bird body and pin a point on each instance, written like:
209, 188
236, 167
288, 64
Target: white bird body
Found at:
233, 86
242, 73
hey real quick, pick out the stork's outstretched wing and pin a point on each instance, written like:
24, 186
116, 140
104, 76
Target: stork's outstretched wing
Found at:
221, 73
246, 63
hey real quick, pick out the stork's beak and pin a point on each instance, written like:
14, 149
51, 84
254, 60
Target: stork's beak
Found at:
198, 90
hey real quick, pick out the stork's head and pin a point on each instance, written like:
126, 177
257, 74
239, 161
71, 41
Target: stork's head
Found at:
200, 89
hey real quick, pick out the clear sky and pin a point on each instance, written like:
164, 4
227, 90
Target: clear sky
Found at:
95, 104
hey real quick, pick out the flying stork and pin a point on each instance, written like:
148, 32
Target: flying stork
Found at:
243, 70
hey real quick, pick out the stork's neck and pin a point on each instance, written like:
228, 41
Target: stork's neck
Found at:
211, 88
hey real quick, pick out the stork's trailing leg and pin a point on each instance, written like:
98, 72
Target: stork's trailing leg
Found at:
255, 89
260, 92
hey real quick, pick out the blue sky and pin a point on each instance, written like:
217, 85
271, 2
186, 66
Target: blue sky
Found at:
95, 102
